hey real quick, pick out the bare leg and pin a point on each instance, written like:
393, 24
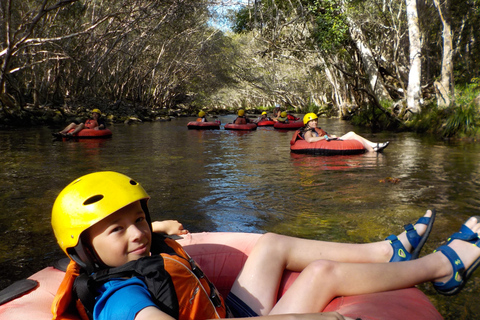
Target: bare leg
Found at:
69, 127
353, 136
273, 253
78, 128
328, 279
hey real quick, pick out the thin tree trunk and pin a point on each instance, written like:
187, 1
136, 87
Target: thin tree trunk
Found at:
376, 83
445, 88
414, 90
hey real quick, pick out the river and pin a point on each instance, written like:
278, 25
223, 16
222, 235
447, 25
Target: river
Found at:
221, 180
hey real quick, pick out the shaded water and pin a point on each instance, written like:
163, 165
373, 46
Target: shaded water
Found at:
224, 180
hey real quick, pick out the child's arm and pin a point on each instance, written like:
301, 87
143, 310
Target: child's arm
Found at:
169, 227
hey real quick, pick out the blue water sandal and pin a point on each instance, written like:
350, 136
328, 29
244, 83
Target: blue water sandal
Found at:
460, 275
417, 241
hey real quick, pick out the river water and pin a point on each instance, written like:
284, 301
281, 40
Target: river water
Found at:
221, 180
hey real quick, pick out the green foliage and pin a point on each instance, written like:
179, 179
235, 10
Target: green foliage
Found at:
429, 120
311, 107
373, 117
241, 20
463, 118
460, 120
331, 30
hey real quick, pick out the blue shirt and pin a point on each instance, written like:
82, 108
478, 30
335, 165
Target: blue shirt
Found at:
122, 299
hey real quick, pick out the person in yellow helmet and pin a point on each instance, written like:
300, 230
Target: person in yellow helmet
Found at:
263, 117
241, 118
283, 117
312, 133
101, 221
202, 117
95, 122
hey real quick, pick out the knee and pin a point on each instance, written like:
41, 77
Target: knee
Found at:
270, 243
323, 270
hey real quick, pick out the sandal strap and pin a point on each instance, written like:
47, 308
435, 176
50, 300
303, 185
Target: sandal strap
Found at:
412, 234
458, 269
465, 234
399, 251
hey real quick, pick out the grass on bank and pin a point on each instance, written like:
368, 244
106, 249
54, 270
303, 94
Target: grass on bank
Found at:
461, 120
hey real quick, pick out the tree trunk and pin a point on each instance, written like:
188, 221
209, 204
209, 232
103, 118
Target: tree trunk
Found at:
445, 88
376, 83
414, 90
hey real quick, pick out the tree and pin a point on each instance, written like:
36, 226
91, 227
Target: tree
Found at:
445, 89
414, 90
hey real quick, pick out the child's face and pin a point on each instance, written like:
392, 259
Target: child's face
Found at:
122, 237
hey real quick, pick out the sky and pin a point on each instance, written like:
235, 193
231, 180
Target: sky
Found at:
222, 9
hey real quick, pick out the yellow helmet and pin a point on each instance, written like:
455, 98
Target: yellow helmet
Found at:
86, 201
97, 111
283, 114
241, 112
308, 117
201, 114
264, 113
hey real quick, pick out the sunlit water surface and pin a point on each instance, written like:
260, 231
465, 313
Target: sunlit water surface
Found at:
220, 180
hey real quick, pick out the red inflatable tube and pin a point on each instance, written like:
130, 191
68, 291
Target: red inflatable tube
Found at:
221, 255
266, 123
324, 147
244, 127
203, 125
92, 133
292, 125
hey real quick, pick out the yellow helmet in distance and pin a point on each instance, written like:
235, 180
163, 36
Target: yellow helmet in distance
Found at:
308, 117
201, 114
86, 201
241, 112
283, 114
264, 113
97, 111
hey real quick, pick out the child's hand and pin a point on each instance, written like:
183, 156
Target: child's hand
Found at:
169, 227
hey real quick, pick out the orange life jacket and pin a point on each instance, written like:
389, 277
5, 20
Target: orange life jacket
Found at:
298, 135
91, 124
197, 298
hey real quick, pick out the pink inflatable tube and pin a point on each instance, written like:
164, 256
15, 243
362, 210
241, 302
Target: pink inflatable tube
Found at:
241, 127
203, 125
221, 256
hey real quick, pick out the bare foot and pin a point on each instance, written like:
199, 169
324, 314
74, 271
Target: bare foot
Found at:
467, 252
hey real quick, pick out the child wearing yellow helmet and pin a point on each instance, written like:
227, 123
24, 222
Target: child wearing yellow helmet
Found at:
101, 221
312, 133
241, 119
283, 117
202, 117
263, 117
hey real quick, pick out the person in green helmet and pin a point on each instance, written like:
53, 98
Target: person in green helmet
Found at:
101, 221
311, 133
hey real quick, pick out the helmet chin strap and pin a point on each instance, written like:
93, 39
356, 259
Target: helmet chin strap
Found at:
86, 258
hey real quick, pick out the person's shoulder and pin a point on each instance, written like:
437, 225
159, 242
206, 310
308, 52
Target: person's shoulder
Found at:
122, 299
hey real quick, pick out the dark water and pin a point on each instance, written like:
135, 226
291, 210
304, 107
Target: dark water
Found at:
224, 180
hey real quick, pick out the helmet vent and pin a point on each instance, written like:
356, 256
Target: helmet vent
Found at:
133, 182
93, 199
